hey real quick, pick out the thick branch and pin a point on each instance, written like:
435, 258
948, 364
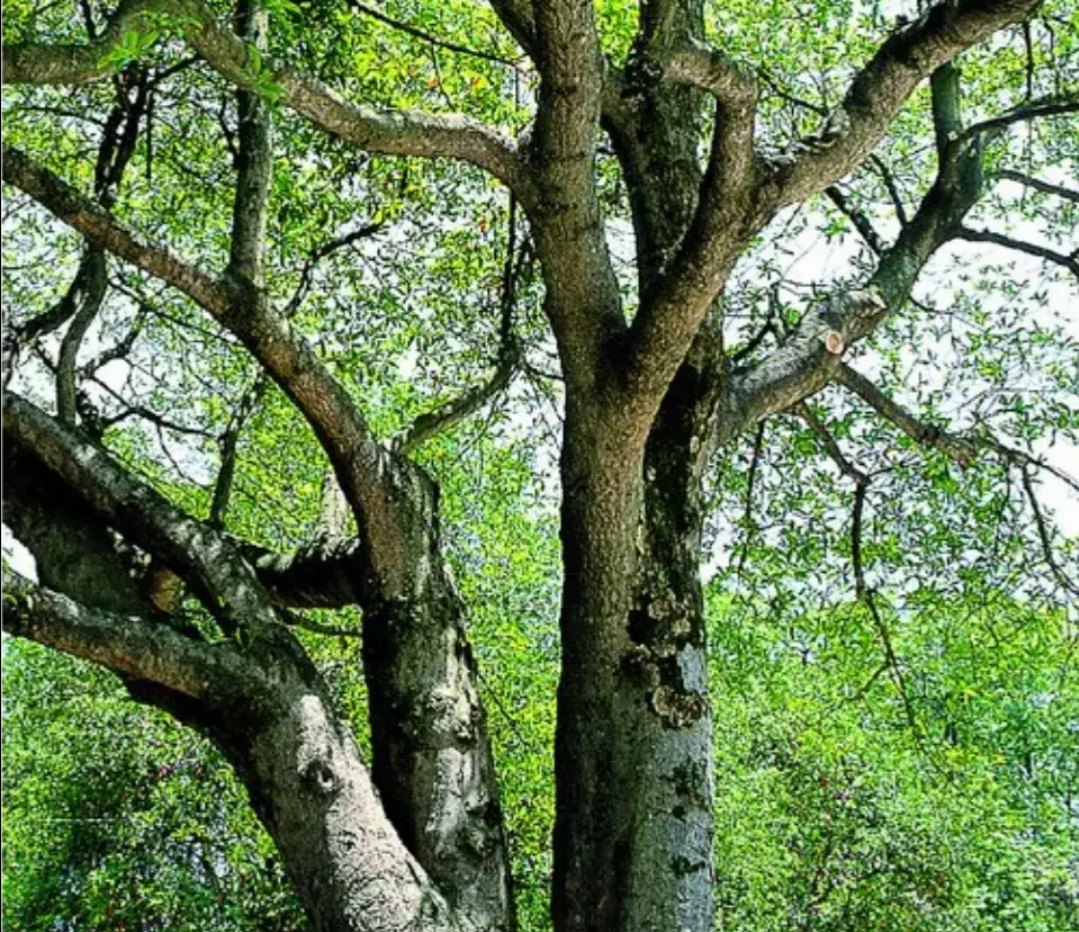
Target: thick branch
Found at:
123, 643
387, 132
582, 299
323, 575
224, 582
883, 85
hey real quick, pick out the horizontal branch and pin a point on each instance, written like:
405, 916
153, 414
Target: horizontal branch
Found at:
879, 90
711, 71
1031, 249
1024, 114
323, 575
1038, 185
125, 644
962, 449
393, 132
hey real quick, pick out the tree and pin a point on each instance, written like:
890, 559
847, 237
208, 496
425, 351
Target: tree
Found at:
652, 394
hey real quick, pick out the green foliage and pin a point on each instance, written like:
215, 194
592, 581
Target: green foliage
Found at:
115, 817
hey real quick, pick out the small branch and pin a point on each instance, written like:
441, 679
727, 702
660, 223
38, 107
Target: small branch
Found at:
121, 349
1043, 533
1041, 252
892, 187
754, 467
861, 222
228, 444
1038, 185
317, 627
318, 254
429, 425
846, 467
428, 37
957, 448
1041, 110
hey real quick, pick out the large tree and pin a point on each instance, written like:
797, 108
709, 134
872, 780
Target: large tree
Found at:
706, 131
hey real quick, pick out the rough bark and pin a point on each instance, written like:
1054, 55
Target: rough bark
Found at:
633, 837
263, 705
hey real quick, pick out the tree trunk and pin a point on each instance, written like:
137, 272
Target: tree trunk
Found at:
432, 760
312, 792
633, 832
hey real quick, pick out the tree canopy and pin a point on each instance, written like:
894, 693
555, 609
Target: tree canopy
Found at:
590, 464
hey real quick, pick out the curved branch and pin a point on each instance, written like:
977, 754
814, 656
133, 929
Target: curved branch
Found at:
429, 425
387, 132
883, 85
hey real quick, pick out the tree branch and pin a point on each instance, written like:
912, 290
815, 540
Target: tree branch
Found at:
964, 451
1038, 185
96, 224
254, 159
433, 423
836, 453
861, 222
216, 572
810, 357
961, 450
66, 373
361, 463
879, 90
124, 644
228, 444
386, 132
1031, 249
582, 298
671, 313
323, 574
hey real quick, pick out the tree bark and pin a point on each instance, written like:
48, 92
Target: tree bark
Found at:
432, 759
